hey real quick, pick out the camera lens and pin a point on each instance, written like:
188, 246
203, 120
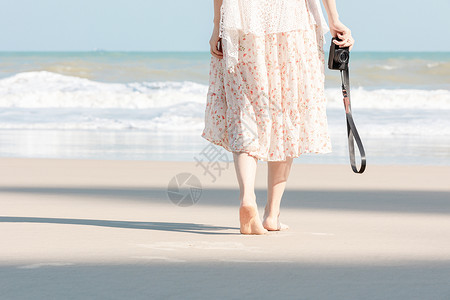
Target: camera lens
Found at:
342, 56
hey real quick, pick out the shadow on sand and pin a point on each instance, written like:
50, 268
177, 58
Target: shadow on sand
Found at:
430, 202
164, 226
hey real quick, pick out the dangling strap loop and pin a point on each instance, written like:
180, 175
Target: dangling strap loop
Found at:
352, 133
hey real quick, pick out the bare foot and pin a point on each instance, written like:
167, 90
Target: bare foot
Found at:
250, 221
274, 224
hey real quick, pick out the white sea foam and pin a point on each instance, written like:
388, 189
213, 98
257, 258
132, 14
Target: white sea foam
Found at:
45, 89
434, 64
392, 98
45, 100
50, 90
388, 67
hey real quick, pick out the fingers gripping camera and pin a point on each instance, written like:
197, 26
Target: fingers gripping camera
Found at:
339, 56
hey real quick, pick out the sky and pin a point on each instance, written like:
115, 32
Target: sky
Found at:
186, 25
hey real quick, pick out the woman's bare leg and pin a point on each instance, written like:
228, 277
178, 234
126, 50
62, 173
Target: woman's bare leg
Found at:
278, 173
245, 166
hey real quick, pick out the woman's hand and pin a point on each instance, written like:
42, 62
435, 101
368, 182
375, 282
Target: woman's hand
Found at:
214, 41
343, 33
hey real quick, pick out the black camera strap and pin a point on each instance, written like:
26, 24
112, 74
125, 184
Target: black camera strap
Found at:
352, 133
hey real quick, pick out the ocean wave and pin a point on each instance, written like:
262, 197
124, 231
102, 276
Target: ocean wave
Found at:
76, 120
46, 89
392, 98
418, 65
51, 90
50, 101
400, 73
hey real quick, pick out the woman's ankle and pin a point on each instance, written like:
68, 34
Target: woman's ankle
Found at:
271, 213
248, 201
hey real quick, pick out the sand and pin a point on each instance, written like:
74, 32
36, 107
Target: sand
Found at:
101, 229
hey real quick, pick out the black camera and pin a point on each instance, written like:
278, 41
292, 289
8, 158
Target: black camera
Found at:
339, 56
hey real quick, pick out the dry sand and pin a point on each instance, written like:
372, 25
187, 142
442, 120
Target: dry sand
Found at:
89, 229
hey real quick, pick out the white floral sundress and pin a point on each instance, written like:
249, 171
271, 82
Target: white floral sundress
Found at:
273, 106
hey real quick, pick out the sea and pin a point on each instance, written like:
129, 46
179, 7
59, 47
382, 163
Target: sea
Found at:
150, 106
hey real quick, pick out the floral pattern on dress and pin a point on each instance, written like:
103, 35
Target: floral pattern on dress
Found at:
273, 106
